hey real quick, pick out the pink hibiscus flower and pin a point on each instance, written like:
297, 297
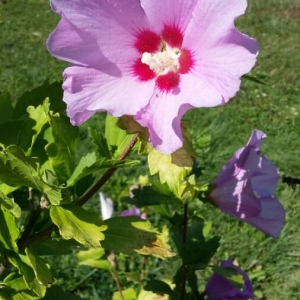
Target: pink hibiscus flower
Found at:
245, 187
150, 59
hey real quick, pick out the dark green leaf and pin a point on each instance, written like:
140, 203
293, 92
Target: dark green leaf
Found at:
17, 169
76, 223
196, 251
231, 275
8, 230
132, 234
6, 108
100, 142
40, 267
37, 96
90, 164
57, 293
61, 147
254, 79
27, 272
9, 204
158, 287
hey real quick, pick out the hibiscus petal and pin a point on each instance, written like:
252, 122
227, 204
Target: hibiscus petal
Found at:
237, 199
271, 219
171, 12
112, 23
162, 115
88, 90
211, 20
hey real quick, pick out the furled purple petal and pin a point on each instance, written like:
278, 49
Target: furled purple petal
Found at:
107, 206
219, 288
245, 186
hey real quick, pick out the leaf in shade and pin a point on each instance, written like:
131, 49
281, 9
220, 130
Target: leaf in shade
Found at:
197, 251
9, 231
61, 147
76, 223
37, 96
40, 267
90, 164
57, 293
158, 287
6, 108
17, 169
254, 79
19, 261
131, 234
100, 142
9, 204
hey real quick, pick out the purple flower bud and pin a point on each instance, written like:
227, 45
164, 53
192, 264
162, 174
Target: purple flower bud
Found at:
134, 211
245, 187
219, 288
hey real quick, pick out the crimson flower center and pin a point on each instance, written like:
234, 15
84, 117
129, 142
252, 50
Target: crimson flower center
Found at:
162, 57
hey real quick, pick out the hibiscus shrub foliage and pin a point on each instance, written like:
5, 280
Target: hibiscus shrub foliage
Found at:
144, 63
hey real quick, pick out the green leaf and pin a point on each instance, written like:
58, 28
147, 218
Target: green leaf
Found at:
57, 293
231, 275
40, 267
128, 294
23, 296
171, 169
76, 223
196, 251
6, 108
8, 230
15, 281
28, 274
90, 164
158, 287
61, 147
37, 96
117, 139
132, 234
96, 258
17, 169
100, 142
9, 204
54, 247
148, 295
39, 115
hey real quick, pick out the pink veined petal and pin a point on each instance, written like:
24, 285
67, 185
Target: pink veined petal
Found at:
237, 199
170, 12
222, 66
271, 219
112, 23
69, 43
88, 90
211, 20
165, 109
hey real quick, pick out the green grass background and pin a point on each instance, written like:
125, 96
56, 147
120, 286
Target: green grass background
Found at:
274, 265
